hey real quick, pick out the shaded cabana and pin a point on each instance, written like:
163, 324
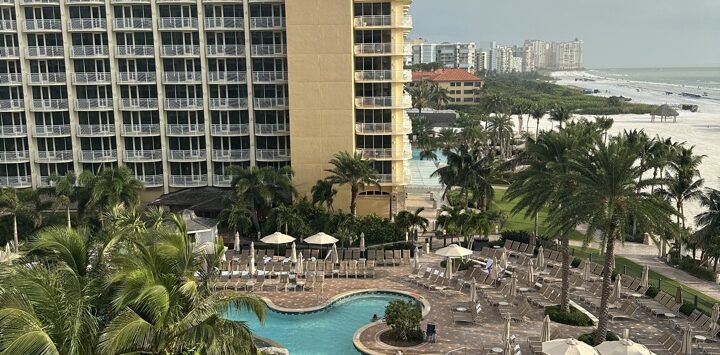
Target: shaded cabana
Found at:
664, 112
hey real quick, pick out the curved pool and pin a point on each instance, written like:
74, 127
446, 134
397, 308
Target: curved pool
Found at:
327, 331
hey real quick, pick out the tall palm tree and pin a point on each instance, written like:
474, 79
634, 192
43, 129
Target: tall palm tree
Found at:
708, 222
684, 183
352, 170
112, 187
439, 97
24, 203
604, 123
560, 114
259, 189
64, 191
537, 112
323, 193
520, 107
412, 221
289, 218
238, 217
501, 132
494, 103
422, 95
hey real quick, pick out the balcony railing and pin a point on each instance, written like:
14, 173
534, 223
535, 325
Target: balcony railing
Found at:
143, 155
182, 77
269, 76
383, 75
91, 78
232, 129
130, 1
222, 180
272, 129
150, 180
8, 25
16, 181
131, 50
47, 78
132, 23
45, 51
371, 128
272, 154
382, 49
50, 104
271, 103
81, 2
267, 22
221, 77
184, 104
14, 156
139, 104
268, 50
141, 129
218, 23
384, 178
54, 156
40, 2
96, 130
230, 155
94, 104
42, 25
98, 156
383, 102
178, 23
87, 24
9, 52
230, 50
185, 129
383, 21
136, 77
11, 78
179, 50
375, 153
188, 180
228, 103
89, 51
187, 155
12, 104
52, 130
13, 131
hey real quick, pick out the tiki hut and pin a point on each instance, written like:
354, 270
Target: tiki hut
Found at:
664, 112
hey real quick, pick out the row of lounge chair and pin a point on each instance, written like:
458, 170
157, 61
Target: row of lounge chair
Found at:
381, 257
247, 282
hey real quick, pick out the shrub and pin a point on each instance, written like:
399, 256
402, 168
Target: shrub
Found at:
576, 262
574, 317
652, 291
589, 338
689, 265
404, 319
687, 308
517, 236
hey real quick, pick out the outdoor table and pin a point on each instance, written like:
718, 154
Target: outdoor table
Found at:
636, 295
671, 315
497, 350
461, 309
503, 304
523, 289
699, 339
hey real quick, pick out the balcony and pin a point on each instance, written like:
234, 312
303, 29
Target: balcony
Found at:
89, 51
96, 130
12, 105
131, 50
222, 23
188, 180
10, 52
272, 129
179, 51
176, 1
187, 155
275, 22
375, 153
84, 2
383, 102
184, 104
373, 128
40, 2
272, 154
227, 77
268, 50
13, 131
150, 180
136, 77
365, 76
132, 23
42, 25
222, 180
91, 78
49, 104
178, 23
384, 178
97, 156
221, 50
145, 155
41, 52
94, 104
16, 181
230, 155
130, 2
138, 104
141, 129
191, 129
87, 24
262, 77
270, 103
46, 78
233, 129
16, 156
52, 130
10, 79
8, 25
374, 21
54, 156
7, 2
382, 49
186, 77
228, 104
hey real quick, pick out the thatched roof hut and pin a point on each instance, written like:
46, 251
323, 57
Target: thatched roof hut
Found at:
664, 111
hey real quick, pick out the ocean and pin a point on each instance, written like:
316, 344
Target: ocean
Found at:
702, 78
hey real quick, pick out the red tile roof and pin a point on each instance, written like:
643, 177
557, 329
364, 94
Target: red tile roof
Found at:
444, 75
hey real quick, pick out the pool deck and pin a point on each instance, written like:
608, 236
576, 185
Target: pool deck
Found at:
474, 338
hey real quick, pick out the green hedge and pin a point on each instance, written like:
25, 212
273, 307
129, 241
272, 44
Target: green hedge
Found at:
687, 308
652, 291
588, 338
689, 265
464, 264
574, 317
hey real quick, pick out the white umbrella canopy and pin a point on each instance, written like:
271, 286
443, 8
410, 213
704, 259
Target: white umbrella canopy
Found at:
237, 241
321, 239
277, 238
622, 347
545, 330
335, 258
531, 272
299, 265
540, 257
567, 347
448, 268
454, 251
644, 277
293, 253
687, 340
618, 287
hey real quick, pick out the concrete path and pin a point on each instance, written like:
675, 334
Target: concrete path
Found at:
706, 287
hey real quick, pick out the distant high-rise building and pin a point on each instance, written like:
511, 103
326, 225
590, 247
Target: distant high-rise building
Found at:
450, 55
540, 52
566, 55
482, 61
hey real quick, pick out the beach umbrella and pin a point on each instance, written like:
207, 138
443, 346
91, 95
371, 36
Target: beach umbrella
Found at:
335, 258
362, 242
473, 291
540, 257
223, 256
715, 317
678, 295
504, 259
251, 267
531, 272
321, 239
299, 265
626, 333
252, 248
618, 287
513, 286
586, 272
229, 268
644, 278
567, 347
277, 238
448, 268
237, 242
416, 260
687, 340
454, 251
545, 329
506, 329
293, 253
493, 270
622, 347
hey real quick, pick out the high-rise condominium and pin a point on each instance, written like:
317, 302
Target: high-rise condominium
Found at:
180, 90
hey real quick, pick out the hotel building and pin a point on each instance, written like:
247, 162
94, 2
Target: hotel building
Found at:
180, 90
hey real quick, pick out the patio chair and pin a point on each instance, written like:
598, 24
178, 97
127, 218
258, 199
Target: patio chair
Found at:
380, 258
343, 269
680, 323
371, 254
315, 253
353, 268
309, 281
221, 283
259, 282
355, 254
426, 283
370, 268
283, 282
397, 257
361, 268
406, 256
468, 316
320, 282
625, 312
389, 258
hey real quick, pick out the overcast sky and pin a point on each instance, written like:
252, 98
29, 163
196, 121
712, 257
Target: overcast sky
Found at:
617, 33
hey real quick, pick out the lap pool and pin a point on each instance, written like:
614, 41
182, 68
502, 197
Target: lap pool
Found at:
328, 331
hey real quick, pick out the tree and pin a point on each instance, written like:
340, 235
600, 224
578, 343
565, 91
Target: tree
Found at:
323, 193
411, 221
422, 95
684, 183
24, 203
261, 189
64, 192
520, 107
354, 171
501, 133
404, 318
289, 218
604, 123
439, 96
111, 187
560, 114
708, 235
537, 112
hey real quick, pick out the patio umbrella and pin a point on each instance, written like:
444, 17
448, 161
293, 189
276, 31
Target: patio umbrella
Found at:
448, 268
586, 272
644, 278
473, 291
277, 238
406, 236
299, 265
229, 268
678, 295
540, 258
567, 347
618, 287
622, 347
513, 285
321, 239
715, 317
416, 260
508, 348
504, 259
335, 258
237, 242
687, 340
506, 329
223, 256
362, 242
251, 267
453, 251
531, 272
545, 330
493, 270
293, 253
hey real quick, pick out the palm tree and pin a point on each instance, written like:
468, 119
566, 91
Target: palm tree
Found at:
238, 217
422, 95
560, 114
64, 191
288, 217
501, 132
604, 123
354, 171
520, 107
439, 97
494, 103
112, 187
23, 203
260, 189
683, 185
427, 152
537, 112
323, 193
708, 222
411, 221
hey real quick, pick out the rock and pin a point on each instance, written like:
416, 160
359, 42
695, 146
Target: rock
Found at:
273, 351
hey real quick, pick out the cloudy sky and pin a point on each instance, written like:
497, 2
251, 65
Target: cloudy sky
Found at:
617, 33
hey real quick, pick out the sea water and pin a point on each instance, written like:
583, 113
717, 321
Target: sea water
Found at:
692, 78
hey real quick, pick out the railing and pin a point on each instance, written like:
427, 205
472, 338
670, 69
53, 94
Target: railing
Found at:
12, 104
144, 104
180, 50
132, 23
231, 129
230, 155
270, 103
180, 77
88, 23
13, 131
216, 77
272, 154
182, 104
91, 78
135, 50
54, 156
45, 51
188, 180
142, 155
141, 129
136, 77
269, 76
373, 127
178, 23
187, 155
184, 129
40, 2
84, 1
89, 51
130, 1
47, 78
8, 25
382, 21
14, 156
16, 181
93, 104
52, 130
150, 180
50, 104
384, 178
42, 25
382, 49
7, 2
383, 102
375, 153
8, 52
10, 78
383, 75
222, 180
260, 50
223, 22
96, 156
267, 22
225, 50
96, 130
228, 103
272, 128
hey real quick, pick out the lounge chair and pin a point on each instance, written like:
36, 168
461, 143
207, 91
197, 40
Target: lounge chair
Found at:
467, 316
309, 281
283, 282
625, 312
370, 268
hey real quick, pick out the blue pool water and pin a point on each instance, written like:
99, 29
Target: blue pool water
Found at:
329, 331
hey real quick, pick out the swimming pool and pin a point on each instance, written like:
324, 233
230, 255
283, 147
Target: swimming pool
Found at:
440, 156
328, 331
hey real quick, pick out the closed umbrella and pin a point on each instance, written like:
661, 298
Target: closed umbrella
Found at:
416, 260
448, 268
251, 267
503, 259
618, 287
622, 347
545, 330
506, 329
252, 249
299, 265
687, 340
567, 347
513, 286
362, 242
237, 242
644, 278
293, 253
586, 272
678, 295
335, 257
406, 236
531, 272
473, 291
508, 348
493, 270
454, 251
715, 317
540, 258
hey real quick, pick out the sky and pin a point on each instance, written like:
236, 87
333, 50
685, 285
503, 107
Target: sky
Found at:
616, 33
